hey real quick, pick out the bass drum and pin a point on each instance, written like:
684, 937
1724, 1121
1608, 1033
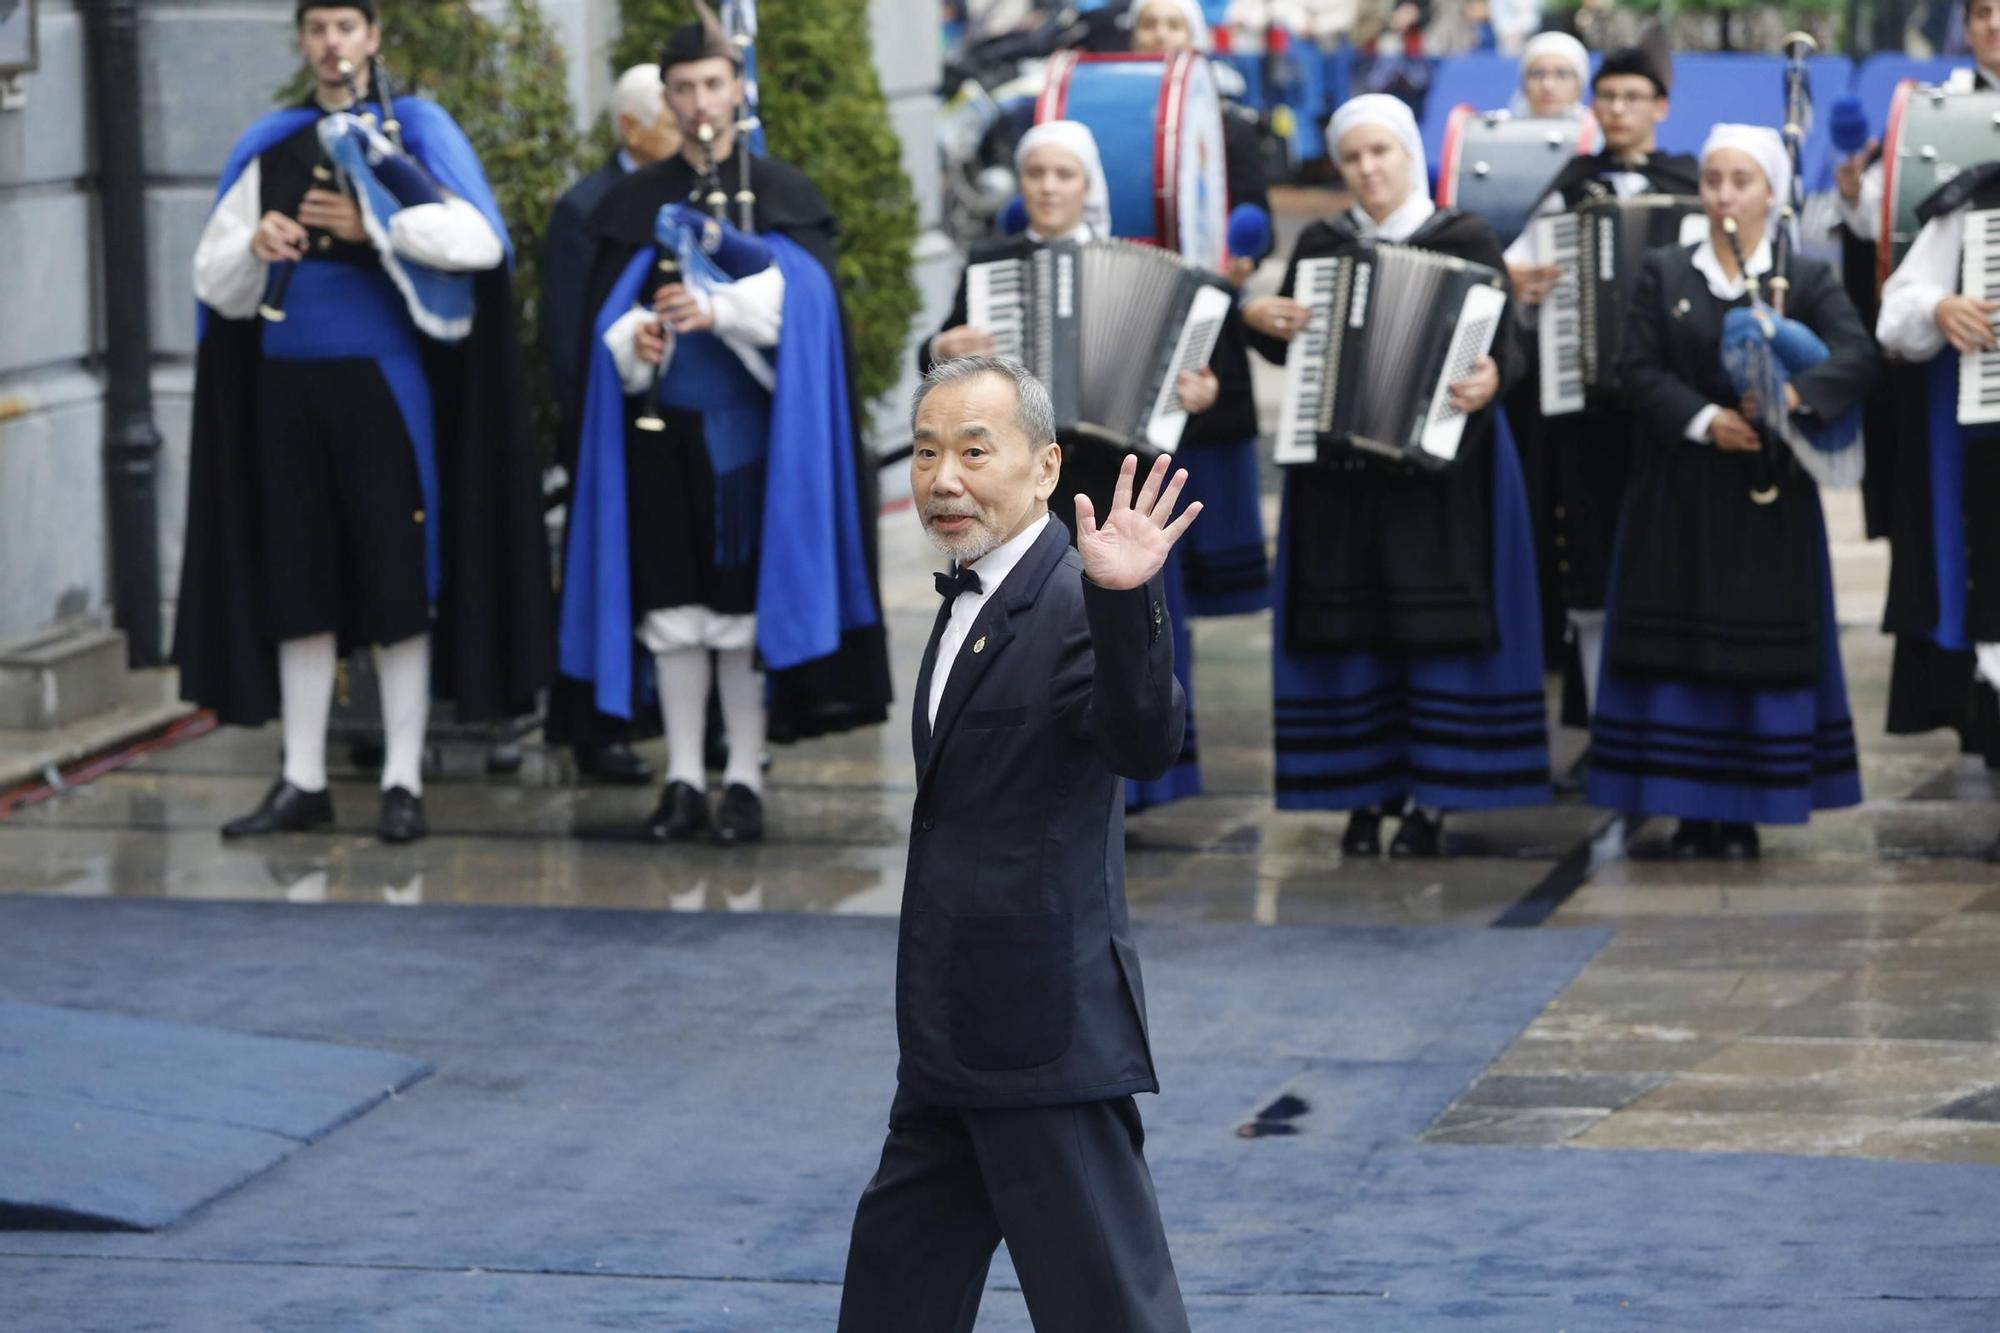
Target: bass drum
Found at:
1158, 125
1933, 133
1499, 166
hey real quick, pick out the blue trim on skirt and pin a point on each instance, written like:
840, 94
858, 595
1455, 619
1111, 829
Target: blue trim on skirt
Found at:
1454, 733
1225, 569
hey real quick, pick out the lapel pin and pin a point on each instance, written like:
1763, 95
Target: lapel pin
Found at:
979, 644
1683, 307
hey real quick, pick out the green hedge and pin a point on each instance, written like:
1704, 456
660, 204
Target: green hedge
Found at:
824, 113
503, 80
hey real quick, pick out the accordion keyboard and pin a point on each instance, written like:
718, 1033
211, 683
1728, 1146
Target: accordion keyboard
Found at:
1308, 366
996, 300
1559, 331
1979, 374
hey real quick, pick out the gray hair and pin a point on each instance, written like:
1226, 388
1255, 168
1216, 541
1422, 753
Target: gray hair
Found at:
1032, 411
640, 95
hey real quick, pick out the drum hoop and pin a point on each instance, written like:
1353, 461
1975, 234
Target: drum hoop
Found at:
1892, 147
1454, 133
1166, 150
1054, 101
1588, 135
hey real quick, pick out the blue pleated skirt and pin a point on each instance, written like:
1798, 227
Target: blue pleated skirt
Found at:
1224, 565
1184, 778
1453, 732
1707, 751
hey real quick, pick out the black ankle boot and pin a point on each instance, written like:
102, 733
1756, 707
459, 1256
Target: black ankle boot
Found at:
1696, 839
1421, 835
284, 809
1364, 832
1738, 842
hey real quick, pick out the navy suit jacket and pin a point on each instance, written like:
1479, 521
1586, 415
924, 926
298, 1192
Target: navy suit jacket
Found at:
1016, 980
565, 281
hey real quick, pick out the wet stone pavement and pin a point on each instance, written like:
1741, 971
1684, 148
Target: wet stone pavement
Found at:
1839, 997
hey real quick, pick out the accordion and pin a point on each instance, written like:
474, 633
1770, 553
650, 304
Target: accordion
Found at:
1107, 326
1392, 329
1979, 277
1599, 248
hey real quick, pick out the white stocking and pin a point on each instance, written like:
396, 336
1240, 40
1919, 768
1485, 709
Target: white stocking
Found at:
742, 691
305, 700
405, 672
683, 677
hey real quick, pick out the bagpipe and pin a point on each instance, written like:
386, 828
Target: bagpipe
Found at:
701, 252
366, 158
1762, 349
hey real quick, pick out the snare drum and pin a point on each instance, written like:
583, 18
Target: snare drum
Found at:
1499, 166
1933, 134
1158, 125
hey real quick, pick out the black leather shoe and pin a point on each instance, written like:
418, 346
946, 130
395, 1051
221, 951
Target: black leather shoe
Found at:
617, 762
1738, 842
402, 818
1364, 833
681, 814
1696, 839
740, 817
284, 809
1420, 835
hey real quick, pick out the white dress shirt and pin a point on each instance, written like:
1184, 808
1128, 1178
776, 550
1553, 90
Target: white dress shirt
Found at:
993, 569
1724, 288
1527, 249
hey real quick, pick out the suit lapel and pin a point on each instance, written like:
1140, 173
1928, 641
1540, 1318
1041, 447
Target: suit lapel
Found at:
992, 630
920, 715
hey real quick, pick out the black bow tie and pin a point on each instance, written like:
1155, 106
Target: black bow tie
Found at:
950, 585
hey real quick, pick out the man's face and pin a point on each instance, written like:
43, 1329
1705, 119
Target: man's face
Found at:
976, 478
1982, 32
1629, 110
1162, 28
329, 36
704, 92
651, 143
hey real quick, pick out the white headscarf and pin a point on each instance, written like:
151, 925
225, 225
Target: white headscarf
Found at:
1765, 147
1075, 136
1557, 44
1393, 115
1197, 22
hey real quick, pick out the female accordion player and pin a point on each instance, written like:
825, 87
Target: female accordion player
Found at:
1722, 699
1064, 190
1407, 660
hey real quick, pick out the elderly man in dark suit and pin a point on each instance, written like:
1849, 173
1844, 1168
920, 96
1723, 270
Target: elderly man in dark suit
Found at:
1021, 1017
646, 134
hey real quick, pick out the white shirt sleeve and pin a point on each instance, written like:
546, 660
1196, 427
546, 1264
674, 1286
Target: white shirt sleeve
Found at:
228, 278
751, 310
452, 237
621, 340
1526, 248
1864, 216
1929, 272
1698, 424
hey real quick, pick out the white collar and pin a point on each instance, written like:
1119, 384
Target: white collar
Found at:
994, 567
1723, 287
626, 162
1079, 234
1409, 215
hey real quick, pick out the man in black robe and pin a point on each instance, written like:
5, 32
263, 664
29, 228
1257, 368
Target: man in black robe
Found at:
698, 614
360, 471
1589, 453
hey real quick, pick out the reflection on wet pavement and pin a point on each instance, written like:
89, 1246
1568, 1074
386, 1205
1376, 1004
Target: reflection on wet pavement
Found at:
1839, 997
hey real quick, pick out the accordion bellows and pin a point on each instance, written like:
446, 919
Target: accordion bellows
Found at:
1108, 327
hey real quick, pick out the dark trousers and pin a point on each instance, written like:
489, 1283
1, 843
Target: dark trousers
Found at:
1065, 1186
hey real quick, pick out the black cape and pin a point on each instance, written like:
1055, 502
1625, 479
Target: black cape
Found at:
492, 640
1711, 585
1385, 555
850, 688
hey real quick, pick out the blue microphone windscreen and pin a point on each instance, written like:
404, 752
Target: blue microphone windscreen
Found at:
1014, 217
1249, 232
1848, 127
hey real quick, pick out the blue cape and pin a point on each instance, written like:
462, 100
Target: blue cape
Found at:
812, 580
434, 139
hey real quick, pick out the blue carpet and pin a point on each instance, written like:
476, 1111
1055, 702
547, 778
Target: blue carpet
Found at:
656, 1121
116, 1123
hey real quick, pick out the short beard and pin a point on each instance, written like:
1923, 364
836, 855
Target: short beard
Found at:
967, 546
